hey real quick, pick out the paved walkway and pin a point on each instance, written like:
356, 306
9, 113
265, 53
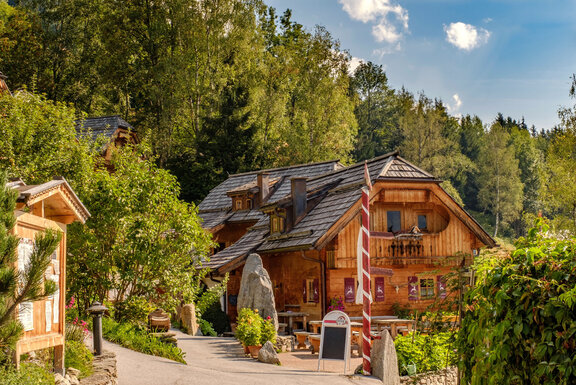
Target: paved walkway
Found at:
220, 361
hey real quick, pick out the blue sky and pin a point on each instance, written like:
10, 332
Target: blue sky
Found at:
480, 57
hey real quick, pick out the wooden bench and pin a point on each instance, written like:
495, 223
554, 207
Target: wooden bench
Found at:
301, 338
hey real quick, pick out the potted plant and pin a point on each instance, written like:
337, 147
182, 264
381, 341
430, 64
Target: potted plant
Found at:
249, 330
268, 332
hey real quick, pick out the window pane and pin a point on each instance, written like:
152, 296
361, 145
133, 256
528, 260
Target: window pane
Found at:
422, 222
393, 221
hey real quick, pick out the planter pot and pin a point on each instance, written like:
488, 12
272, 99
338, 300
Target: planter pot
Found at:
254, 349
246, 350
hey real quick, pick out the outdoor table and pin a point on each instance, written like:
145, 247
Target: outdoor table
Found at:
290, 316
394, 323
315, 326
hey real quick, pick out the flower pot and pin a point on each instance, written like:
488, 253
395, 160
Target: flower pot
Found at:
246, 350
254, 349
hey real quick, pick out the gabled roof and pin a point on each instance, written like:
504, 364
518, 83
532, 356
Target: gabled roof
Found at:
67, 204
102, 126
216, 208
341, 194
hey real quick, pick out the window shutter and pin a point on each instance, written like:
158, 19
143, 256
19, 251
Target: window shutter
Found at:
304, 297
316, 285
349, 289
413, 288
441, 283
379, 284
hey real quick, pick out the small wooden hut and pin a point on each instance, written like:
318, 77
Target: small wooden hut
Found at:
51, 205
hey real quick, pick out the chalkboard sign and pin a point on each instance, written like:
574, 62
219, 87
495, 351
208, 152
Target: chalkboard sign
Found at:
334, 343
335, 338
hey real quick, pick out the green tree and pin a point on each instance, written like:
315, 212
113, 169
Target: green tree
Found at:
39, 141
141, 239
499, 177
19, 286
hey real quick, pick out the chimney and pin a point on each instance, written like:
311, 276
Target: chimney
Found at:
263, 179
298, 198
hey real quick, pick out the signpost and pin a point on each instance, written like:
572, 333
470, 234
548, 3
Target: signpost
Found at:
335, 338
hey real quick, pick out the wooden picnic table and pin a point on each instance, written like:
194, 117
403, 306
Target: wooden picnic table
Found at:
394, 323
290, 315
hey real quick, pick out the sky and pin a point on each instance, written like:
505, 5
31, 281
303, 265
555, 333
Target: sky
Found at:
479, 57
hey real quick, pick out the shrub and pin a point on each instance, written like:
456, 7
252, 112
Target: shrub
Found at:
29, 373
79, 357
206, 328
519, 326
401, 310
217, 318
134, 309
134, 337
426, 352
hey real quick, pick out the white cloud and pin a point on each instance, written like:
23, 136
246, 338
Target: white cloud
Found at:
389, 21
466, 36
453, 108
353, 64
487, 20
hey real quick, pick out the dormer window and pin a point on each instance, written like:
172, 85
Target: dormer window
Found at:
249, 204
276, 224
238, 204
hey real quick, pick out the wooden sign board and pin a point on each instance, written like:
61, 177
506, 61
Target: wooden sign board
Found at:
335, 338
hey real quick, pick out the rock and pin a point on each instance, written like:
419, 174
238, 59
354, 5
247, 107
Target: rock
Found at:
72, 380
73, 372
267, 354
384, 361
256, 290
60, 380
188, 319
284, 343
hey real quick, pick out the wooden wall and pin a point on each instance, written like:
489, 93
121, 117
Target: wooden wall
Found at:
231, 233
27, 226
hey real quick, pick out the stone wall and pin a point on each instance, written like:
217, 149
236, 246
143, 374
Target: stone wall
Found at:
105, 372
442, 377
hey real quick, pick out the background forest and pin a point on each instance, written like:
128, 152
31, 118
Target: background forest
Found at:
216, 87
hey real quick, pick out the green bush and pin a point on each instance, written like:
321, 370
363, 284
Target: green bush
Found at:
426, 352
29, 373
217, 318
134, 309
249, 329
268, 331
206, 328
401, 310
79, 357
134, 337
519, 323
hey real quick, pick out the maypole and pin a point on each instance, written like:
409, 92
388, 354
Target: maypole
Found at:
366, 346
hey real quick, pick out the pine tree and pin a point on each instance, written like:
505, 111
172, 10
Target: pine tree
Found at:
19, 286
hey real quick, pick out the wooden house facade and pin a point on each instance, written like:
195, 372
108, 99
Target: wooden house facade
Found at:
306, 228
51, 205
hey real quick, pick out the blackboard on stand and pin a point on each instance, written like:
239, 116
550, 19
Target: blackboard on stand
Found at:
335, 338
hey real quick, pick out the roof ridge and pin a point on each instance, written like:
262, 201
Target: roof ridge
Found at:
286, 167
369, 161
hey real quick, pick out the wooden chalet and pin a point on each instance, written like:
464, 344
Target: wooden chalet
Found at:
305, 226
51, 205
115, 131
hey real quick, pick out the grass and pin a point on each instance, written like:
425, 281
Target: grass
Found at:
29, 373
134, 337
78, 356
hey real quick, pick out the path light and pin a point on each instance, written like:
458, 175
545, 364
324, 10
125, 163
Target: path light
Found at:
96, 310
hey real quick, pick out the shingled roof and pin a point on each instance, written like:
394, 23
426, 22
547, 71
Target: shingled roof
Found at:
216, 208
102, 126
340, 190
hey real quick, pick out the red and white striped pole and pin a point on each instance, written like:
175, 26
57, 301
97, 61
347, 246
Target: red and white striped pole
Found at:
366, 281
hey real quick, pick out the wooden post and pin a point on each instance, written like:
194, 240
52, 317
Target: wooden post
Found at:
366, 347
59, 359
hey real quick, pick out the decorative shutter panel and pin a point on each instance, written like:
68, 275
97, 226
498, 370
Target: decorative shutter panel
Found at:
413, 288
379, 290
316, 285
349, 289
304, 296
441, 284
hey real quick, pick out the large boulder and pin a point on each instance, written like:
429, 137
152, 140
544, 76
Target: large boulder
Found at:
188, 319
256, 290
268, 355
384, 361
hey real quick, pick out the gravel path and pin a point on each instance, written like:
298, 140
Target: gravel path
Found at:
219, 361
